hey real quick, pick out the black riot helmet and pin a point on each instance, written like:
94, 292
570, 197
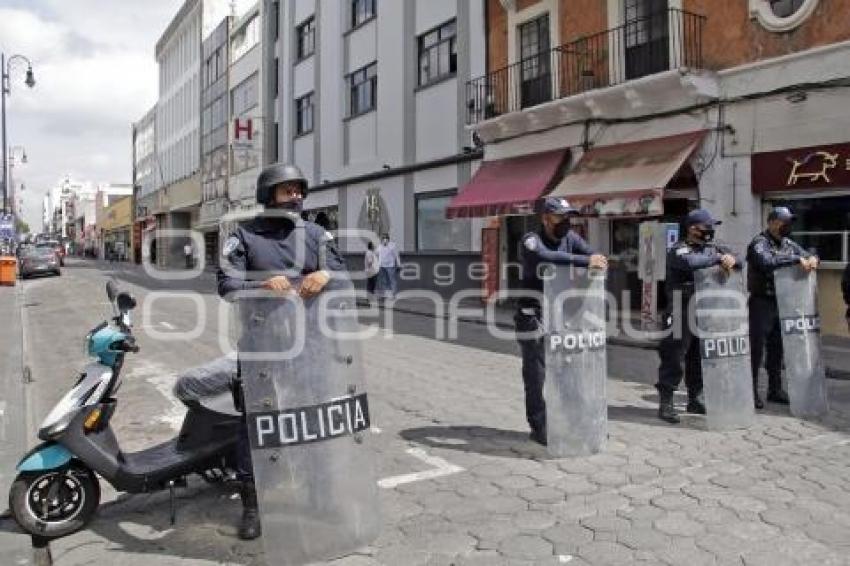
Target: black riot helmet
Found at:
276, 174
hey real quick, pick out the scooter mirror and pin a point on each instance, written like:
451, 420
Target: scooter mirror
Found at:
126, 302
111, 290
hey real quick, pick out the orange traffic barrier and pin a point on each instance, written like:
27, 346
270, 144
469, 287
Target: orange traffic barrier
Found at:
8, 270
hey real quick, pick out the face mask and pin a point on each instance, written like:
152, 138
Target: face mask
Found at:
292, 206
785, 230
561, 229
705, 235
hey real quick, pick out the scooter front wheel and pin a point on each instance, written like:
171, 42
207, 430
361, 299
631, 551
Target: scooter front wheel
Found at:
54, 503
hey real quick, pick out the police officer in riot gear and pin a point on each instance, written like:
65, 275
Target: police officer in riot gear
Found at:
769, 251
696, 250
554, 243
259, 255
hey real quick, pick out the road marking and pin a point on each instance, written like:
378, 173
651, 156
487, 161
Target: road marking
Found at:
440, 468
168, 325
565, 558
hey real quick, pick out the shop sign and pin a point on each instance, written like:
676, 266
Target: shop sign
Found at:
820, 167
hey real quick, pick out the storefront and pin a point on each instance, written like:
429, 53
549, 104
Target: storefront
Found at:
631, 197
114, 230
814, 182
637, 193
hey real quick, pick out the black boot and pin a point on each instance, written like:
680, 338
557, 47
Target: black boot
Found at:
249, 527
759, 404
539, 436
695, 406
666, 411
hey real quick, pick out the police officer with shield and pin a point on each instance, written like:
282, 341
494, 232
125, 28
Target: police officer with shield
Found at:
258, 255
696, 250
554, 243
769, 251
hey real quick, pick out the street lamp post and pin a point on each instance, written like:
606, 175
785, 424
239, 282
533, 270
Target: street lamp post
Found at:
13, 194
6, 88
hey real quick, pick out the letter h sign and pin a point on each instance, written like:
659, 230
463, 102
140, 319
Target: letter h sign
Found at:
243, 133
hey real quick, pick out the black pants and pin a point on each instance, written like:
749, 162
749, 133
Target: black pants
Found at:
765, 338
244, 467
533, 369
371, 282
189, 263
672, 351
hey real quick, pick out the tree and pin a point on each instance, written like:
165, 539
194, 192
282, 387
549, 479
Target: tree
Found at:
21, 227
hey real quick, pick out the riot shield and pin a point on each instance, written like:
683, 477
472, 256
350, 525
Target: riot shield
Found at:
720, 309
308, 421
576, 364
796, 297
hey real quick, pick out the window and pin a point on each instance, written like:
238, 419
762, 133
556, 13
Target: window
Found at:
276, 78
327, 217
304, 114
781, 16
245, 39
244, 96
306, 36
434, 232
822, 225
786, 8
276, 143
438, 53
361, 12
363, 88
276, 19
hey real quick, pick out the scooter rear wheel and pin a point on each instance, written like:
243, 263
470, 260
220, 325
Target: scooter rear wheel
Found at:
54, 503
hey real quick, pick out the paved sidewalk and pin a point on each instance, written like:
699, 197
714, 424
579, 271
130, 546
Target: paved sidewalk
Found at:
13, 433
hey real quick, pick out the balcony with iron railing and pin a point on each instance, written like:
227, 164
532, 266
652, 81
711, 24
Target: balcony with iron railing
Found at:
659, 42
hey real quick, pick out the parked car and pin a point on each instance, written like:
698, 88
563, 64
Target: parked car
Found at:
39, 261
58, 249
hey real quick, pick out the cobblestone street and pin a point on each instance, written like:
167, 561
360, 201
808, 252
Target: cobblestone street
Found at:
462, 484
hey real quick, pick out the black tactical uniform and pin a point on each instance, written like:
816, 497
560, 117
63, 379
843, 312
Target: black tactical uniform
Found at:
263, 248
766, 254
682, 261
538, 249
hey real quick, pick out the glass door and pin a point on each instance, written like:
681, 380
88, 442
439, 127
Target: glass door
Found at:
535, 66
646, 37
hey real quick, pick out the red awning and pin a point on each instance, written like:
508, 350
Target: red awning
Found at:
508, 186
627, 179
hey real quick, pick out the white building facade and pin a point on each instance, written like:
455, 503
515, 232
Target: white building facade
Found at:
367, 97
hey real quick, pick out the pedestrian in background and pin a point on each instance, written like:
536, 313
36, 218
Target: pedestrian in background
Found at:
189, 254
696, 250
372, 266
390, 265
769, 251
555, 243
845, 288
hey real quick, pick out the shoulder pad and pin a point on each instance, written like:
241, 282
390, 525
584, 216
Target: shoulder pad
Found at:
231, 245
531, 242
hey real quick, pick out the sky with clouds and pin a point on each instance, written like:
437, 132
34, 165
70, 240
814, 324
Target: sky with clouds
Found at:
95, 74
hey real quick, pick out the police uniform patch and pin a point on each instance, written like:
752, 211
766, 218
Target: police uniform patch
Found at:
328, 237
230, 246
531, 243
683, 250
